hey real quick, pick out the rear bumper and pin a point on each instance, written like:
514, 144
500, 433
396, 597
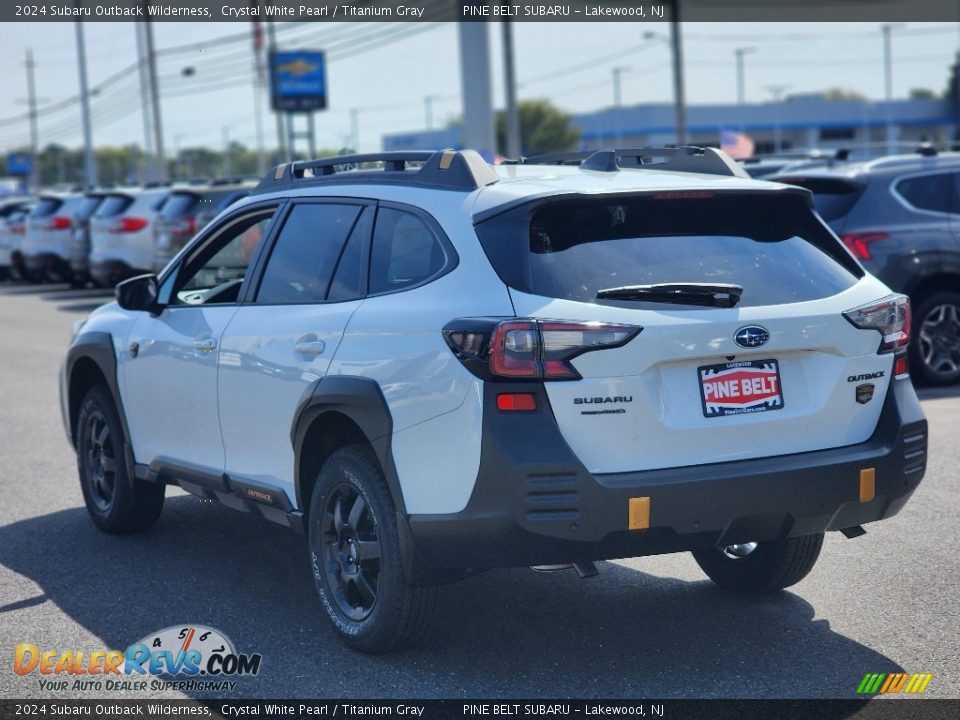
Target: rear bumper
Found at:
47, 264
535, 503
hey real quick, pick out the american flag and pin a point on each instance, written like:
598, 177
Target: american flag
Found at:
736, 144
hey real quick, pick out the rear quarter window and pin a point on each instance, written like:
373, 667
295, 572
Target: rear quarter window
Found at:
768, 243
46, 206
928, 192
112, 206
179, 205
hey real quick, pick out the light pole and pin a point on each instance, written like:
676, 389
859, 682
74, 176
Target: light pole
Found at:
617, 99
888, 29
777, 92
513, 148
676, 52
155, 100
428, 109
739, 53
32, 112
90, 165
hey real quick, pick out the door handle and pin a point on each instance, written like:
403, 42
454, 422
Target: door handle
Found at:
205, 344
309, 345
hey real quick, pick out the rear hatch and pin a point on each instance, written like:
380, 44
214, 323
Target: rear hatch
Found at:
43, 224
176, 224
105, 222
708, 378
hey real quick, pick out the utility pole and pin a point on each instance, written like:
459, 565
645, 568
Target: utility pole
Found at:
155, 100
617, 73
888, 29
145, 111
258, 94
739, 53
89, 162
225, 133
355, 129
777, 92
679, 101
32, 114
281, 135
514, 148
428, 110
475, 82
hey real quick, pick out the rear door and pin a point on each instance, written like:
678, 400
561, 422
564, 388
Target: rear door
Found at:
770, 376
277, 347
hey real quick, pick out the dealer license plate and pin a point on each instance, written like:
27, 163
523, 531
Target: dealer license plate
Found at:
737, 388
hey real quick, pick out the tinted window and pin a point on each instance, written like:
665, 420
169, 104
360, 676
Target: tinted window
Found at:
89, 204
303, 259
928, 192
405, 252
46, 207
216, 274
832, 198
771, 245
179, 204
113, 205
349, 277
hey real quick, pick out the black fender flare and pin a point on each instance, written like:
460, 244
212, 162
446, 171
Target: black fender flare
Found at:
98, 347
361, 400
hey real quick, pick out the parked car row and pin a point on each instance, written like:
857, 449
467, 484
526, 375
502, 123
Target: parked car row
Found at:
105, 236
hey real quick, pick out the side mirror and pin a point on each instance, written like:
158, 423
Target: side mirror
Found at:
138, 293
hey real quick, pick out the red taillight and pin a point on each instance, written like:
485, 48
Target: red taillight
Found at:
129, 224
20, 229
187, 226
516, 402
59, 222
530, 349
859, 243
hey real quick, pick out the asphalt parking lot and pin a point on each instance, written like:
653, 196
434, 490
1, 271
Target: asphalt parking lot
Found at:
651, 628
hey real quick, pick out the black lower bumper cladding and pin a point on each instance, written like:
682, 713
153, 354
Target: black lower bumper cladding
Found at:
535, 503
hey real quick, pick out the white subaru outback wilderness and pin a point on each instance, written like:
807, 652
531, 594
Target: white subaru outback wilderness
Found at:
437, 367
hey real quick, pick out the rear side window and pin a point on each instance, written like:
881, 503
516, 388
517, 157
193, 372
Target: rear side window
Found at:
179, 205
303, 259
833, 198
770, 244
113, 205
928, 192
46, 207
405, 252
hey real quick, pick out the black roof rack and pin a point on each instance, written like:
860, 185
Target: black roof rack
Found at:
687, 158
443, 169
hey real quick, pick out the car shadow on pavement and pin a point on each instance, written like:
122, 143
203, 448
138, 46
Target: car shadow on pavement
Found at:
510, 633
83, 307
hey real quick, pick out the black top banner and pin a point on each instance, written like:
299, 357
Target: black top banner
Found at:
451, 10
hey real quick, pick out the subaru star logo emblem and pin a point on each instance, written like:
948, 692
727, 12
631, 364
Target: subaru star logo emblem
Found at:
751, 336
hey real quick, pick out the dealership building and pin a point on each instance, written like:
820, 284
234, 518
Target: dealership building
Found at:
802, 121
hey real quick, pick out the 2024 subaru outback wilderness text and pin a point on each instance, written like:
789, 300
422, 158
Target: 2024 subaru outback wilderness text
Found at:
441, 367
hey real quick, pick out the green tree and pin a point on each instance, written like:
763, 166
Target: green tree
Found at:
544, 128
921, 93
838, 93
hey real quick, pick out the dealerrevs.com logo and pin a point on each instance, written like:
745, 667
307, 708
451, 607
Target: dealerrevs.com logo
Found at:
180, 657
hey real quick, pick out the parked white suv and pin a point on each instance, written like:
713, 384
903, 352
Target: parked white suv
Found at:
442, 367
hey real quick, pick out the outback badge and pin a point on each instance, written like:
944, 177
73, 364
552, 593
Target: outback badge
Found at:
865, 393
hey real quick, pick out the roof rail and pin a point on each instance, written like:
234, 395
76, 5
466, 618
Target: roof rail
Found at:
687, 158
445, 169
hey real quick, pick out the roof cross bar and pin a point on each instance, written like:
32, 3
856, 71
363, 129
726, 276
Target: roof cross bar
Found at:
445, 169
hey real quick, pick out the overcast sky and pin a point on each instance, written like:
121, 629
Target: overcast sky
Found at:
385, 70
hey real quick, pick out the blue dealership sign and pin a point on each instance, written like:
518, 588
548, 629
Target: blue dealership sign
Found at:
19, 163
298, 80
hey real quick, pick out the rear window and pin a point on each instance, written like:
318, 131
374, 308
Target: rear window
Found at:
113, 205
179, 205
87, 206
928, 192
46, 206
833, 198
769, 244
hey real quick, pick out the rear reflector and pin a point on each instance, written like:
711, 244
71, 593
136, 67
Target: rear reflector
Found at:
512, 402
638, 513
868, 484
901, 368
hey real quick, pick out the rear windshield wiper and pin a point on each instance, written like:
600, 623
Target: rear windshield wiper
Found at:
708, 294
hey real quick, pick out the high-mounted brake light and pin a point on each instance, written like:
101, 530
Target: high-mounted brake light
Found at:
526, 349
859, 243
890, 317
